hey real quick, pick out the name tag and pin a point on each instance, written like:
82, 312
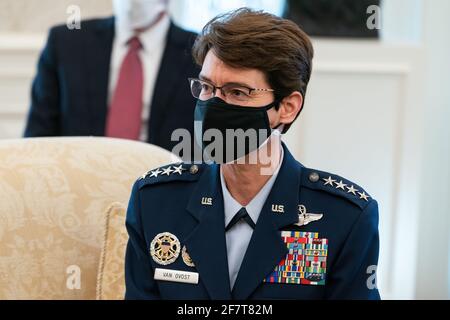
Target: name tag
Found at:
176, 276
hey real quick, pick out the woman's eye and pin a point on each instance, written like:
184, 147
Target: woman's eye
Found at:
238, 93
205, 87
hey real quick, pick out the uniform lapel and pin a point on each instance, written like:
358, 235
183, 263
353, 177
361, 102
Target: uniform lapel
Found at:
207, 244
266, 248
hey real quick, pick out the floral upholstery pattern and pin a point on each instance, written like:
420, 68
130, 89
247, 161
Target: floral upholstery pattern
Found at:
54, 194
110, 278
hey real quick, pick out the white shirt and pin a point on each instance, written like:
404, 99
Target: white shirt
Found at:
153, 42
238, 237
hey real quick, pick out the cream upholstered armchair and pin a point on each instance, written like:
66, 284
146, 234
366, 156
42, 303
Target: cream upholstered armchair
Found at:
62, 208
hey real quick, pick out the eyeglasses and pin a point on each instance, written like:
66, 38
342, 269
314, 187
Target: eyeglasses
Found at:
232, 92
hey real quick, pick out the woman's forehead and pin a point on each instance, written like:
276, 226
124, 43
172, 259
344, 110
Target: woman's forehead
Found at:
219, 73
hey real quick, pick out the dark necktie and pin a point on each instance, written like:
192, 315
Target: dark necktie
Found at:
125, 113
241, 214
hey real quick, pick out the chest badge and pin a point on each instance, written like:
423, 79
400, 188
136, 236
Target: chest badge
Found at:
305, 217
306, 260
165, 248
186, 257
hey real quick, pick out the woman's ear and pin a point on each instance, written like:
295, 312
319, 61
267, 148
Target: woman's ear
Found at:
290, 106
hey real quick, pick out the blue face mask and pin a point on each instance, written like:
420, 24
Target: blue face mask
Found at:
217, 114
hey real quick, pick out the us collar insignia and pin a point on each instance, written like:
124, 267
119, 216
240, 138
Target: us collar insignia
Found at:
165, 248
305, 217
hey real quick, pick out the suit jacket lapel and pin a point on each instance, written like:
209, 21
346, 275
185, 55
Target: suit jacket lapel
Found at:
176, 56
266, 248
207, 244
98, 58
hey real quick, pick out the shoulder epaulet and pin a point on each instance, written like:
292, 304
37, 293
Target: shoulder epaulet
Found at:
336, 185
168, 173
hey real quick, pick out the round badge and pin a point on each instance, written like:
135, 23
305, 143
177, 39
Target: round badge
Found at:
165, 248
187, 258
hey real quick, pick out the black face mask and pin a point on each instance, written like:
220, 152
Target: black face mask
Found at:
216, 114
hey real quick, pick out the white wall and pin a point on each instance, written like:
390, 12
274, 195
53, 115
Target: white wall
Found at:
18, 58
433, 281
402, 21
35, 16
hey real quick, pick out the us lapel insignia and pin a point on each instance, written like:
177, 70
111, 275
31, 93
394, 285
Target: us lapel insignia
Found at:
186, 257
305, 217
165, 248
207, 201
278, 208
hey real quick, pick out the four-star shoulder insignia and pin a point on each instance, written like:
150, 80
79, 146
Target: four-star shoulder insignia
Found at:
336, 185
341, 185
173, 172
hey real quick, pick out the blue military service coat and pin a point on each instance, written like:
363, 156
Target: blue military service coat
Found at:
316, 238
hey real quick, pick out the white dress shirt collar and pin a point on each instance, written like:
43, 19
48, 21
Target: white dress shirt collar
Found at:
153, 41
231, 206
154, 36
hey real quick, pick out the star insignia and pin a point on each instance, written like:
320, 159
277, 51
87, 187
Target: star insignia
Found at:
155, 173
145, 175
167, 171
340, 185
352, 190
178, 169
364, 196
329, 181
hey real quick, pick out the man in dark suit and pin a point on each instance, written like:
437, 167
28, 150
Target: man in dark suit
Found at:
97, 81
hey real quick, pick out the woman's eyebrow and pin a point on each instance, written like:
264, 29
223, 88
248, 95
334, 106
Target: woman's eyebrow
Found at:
204, 78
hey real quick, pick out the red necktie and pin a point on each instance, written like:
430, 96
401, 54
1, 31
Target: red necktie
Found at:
125, 113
